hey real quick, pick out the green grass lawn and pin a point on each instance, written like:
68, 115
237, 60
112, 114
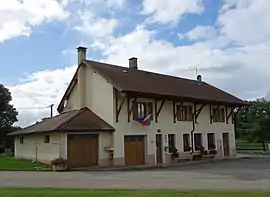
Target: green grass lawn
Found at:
9, 163
127, 193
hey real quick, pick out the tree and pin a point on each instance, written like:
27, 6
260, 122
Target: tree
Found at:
8, 114
254, 122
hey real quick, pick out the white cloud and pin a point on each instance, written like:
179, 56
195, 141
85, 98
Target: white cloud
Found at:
170, 10
233, 57
95, 27
18, 18
39, 90
200, 33
246, 22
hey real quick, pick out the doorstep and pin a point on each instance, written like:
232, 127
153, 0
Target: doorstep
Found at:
149, 167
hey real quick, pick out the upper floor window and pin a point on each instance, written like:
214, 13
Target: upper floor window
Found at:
219, 115
184, 113
142, 109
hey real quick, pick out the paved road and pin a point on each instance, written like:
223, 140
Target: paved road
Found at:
236, 174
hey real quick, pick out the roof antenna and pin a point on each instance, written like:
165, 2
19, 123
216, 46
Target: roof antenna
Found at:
195, 68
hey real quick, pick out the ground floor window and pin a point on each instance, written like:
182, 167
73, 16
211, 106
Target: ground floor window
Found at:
171, 139
211, 140
197, 140
186, 142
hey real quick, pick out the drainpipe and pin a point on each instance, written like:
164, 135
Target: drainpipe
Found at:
192, 132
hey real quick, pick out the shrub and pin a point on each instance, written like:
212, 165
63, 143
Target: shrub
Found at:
213, 152
2, 150
175, 153
58, 161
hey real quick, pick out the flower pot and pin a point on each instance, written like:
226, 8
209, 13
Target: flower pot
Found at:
59, 167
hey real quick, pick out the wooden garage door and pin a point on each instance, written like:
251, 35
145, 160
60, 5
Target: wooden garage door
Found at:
134, 150
82, 150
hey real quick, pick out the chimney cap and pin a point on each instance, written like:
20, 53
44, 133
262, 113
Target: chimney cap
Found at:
199, 78
133, 63
81, 48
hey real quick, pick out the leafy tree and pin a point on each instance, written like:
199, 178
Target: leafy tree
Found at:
254, 122
8, 114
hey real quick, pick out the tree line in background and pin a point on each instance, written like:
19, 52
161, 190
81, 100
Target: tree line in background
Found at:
8, 116
252, 122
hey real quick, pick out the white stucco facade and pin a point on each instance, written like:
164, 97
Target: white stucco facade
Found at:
100, 98
96, 93
34, 148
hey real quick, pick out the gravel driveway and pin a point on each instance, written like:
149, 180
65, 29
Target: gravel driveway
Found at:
233, 174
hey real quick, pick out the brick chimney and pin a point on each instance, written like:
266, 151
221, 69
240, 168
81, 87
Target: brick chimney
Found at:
81, 54
133, 63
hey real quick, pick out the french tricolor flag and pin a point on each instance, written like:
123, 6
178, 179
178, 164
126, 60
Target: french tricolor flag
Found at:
144, 121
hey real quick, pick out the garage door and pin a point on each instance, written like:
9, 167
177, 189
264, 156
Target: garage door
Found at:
134, 150
82, 150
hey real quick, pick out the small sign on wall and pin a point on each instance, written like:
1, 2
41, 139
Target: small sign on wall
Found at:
165, 142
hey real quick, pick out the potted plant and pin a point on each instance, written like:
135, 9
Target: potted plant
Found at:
59, 164
213, 152
175, 154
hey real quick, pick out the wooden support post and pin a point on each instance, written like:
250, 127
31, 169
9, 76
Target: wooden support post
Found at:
230, 114
118, 110
158, 110
235, 114
197, 111
132, 106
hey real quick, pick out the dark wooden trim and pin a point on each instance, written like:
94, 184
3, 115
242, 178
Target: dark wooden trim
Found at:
175, 111
235, 114
118, 110
158, 110
197, 112
132, 106
214, 113
230, 114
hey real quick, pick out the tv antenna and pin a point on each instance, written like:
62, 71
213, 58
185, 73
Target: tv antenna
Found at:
195, 69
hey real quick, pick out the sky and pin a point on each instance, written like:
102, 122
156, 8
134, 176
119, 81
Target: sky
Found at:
228, 41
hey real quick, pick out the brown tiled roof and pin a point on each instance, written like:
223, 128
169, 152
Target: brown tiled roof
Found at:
75, 120
129, 80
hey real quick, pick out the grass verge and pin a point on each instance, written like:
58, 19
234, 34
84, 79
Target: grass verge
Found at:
127, 193
8, 163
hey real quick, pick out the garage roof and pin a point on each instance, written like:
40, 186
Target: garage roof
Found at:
75, 120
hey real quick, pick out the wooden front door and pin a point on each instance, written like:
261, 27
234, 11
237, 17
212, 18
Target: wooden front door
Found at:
226, 144
82, 150
159, 148
134, 150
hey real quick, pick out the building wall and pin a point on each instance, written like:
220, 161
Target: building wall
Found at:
73, 100
102, 98
166, 125
34, 147
99, 97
